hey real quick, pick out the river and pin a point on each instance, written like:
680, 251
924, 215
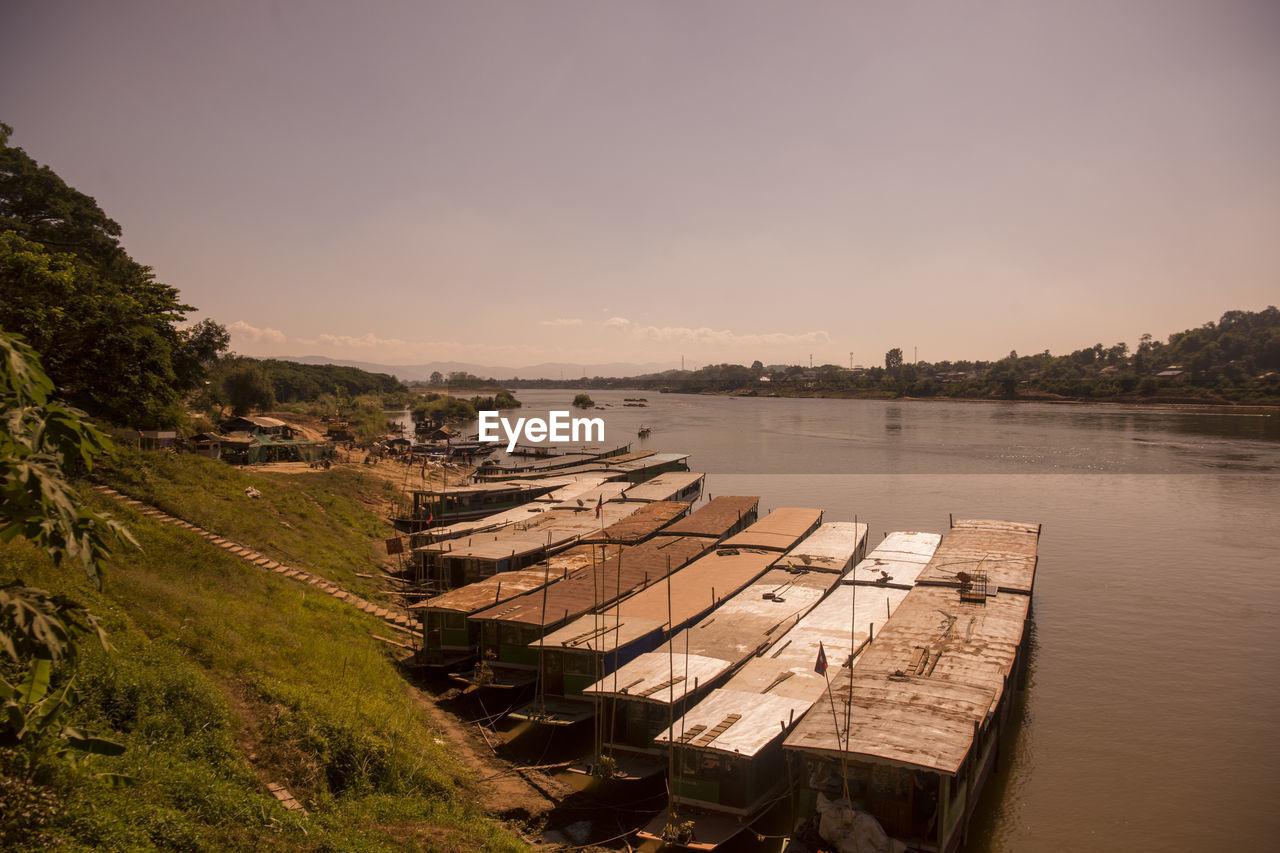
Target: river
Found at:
1149, 714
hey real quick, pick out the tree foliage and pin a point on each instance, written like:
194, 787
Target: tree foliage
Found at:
244, 384
294, 382
108, 332
1236, 359
41, 441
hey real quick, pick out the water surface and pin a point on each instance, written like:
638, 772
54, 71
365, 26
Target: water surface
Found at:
1147, 723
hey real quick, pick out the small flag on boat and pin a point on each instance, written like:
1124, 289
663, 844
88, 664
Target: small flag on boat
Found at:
820, 665
599, 505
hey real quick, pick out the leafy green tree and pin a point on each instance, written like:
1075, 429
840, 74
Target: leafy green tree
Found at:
107, 331
893, 359
583, 401
245, 386
41, 442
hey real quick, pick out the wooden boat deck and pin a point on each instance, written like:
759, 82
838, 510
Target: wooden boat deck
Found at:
780, 530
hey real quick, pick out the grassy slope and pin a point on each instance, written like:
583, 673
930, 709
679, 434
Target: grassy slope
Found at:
314, 520
226, 677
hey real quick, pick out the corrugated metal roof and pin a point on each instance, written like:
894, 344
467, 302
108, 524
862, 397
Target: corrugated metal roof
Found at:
495, 487
937, 669
551, 529
1005, 550
664, 487
831, 548
752, 722
569, 487
743, 625
579, 593
485, 593
693, 590
507, 585
897, 560
587, 499
716, 517
841, 623
640, 525
779, 530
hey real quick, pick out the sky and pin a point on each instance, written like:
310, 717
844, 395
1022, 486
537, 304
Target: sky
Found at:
534, 180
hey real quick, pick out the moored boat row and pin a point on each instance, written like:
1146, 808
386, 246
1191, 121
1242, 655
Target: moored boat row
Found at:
766, 666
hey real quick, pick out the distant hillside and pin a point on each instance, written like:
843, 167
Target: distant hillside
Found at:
546, 370
1233, 360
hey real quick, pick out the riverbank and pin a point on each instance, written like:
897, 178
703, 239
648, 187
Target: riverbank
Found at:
229, 682
1187, 403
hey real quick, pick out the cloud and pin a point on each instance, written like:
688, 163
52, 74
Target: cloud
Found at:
366, 341
562, 321
704, 336
241, 330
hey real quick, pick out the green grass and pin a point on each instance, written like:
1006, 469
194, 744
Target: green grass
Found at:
314, 520
226, 677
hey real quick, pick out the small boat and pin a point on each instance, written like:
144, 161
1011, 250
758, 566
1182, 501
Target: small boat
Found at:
644, 432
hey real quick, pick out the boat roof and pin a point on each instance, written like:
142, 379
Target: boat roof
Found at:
664, 487
831, 548
694, 589
583, 591
734, 723
779, 530
788, 667
643, 523
485, 593
897, 560
741, 626
650, 460
1005, 550
586, 499
624, 458
507, 585
916, 711
515, 515
716, 517
548, 529
840, 624
492, 487
569, 487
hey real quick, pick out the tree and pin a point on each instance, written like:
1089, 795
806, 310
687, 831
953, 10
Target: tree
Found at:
42, 441
757, 366
893, 359
245, 385
583, 401
107, 331
436, 377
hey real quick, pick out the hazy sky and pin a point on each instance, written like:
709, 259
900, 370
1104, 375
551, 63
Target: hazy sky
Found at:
516, 182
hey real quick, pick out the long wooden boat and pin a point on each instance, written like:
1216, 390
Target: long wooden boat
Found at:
580, 653
729, 760
458, 562
908, 735
450, 639
508, 630
640, 699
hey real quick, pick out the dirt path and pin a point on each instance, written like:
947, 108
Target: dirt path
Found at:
507, 790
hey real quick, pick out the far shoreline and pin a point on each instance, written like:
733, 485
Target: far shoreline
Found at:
1154, 403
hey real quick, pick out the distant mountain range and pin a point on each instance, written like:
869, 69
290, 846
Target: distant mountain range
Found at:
546, 370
